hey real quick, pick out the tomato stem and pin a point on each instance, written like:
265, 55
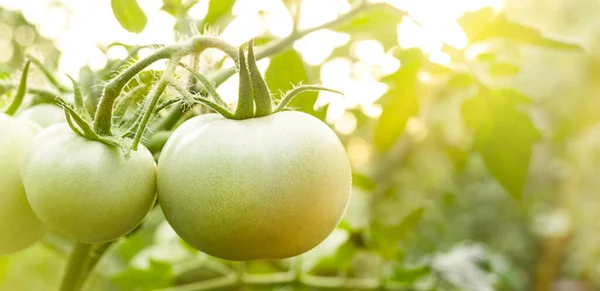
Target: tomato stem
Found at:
20, 92
155, 94
72, 279
112, 90
195, 98
210, 88
245, 106
262, 96
124, 102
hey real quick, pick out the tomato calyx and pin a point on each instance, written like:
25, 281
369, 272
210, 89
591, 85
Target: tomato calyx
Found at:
254, 97
83, 128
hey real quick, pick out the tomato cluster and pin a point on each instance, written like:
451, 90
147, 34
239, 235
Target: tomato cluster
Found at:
260, 183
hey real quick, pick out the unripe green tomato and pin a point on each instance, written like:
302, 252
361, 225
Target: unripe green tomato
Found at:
84, 189
262, 188
19, 226
43, 114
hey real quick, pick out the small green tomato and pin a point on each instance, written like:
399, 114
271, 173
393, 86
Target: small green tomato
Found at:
85, 189
19, 226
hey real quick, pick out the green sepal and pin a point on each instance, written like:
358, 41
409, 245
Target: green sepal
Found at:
78, 98
291, 94
20, 91
245, 106
81, 127
262, 96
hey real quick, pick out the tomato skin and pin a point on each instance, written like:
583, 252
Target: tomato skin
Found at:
19, 226
261, 188
87, 190
43, 114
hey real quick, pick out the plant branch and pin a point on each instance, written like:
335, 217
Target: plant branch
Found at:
210, 88
155, 94
103, 116
72, 277
277, 46
189, 96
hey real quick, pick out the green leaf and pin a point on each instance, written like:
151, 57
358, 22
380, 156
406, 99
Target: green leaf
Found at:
486, 24
158, 275
363, 181
216, 10
503, 135
129, 14
378, 23
402, 102
171, 6
286, 70
503, 69
386, 239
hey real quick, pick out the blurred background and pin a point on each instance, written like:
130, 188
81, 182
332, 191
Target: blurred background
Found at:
473, 129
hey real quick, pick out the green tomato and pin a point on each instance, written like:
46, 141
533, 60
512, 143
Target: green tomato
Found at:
19, 226
43, 114
84, 189
262, 188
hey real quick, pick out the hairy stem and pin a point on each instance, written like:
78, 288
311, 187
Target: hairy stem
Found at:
103, 117
155, 94
210, 88
186, 94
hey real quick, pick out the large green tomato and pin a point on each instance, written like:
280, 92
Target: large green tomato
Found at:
260, 188
19, 227
84, 189
44, 114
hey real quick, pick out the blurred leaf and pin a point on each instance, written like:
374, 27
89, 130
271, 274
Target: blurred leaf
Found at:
4, 75
171, 6
386, 239
341, 259
286, 70
503, 135
363, 181
485, 24
217, 9
129, 14
461, 80
410, 274
503, 69
457, 156
158, 275
379, 24
402, 102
